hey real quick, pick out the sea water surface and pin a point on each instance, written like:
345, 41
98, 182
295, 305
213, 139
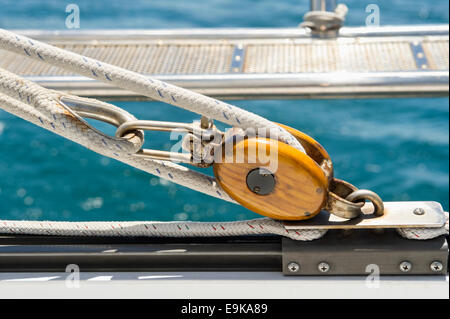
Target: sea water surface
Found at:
396, 147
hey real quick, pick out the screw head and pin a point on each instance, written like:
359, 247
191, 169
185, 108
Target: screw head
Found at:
323, 267
405, 266
293, 267
419, 211
256, 189
436, 266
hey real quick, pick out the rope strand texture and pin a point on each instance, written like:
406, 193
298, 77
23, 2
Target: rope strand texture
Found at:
187, 229
46, 111
424, 233
160, 229
138, 83
157, 229
41, 107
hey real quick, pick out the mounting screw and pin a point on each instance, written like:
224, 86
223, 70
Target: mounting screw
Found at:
323, 267
256, 189
419, 211
436, 266
405, 266
293, 267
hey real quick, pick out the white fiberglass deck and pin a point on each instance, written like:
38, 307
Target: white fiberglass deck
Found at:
234, 285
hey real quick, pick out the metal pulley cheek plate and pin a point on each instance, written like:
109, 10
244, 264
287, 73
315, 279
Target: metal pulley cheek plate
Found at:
282, 183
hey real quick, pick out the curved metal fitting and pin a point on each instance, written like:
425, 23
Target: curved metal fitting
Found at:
346, 201
160, 126
83, 108
325, 19
97, 111
337, 204
205, 132
203, 148
128, 126
365, 194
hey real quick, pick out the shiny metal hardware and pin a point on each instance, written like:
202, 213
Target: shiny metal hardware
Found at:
160, 126
323, 267
205, 132
405, 266
254, 82
127, 124
364, 194
337, 204
343, 200
293, 267
97, 111
323, 5
346, 201
325, 17
350, 254
419, 211
90, 109
396, 215
436, 266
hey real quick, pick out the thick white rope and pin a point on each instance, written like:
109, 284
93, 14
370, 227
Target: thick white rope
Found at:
71, 130
45, 111
48, 113
424, 233
138, 83
47, 102
186, 229
157, 229
163, 229
41, 106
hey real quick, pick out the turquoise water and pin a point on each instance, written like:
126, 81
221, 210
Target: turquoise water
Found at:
397, 147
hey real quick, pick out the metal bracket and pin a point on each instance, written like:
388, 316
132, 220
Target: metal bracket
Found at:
396, 215
237, 60
419, 56
362, 252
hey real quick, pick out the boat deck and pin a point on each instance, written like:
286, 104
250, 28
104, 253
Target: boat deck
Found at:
216, 285
256, 63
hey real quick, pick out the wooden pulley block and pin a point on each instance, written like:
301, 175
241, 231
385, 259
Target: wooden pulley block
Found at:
274, 179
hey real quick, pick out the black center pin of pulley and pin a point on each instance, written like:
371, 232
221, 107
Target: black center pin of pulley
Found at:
261, 181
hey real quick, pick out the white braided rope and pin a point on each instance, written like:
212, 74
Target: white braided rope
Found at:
45, 111
40, 106
157, 229
48, 113
138, 83
424, 233
186, 229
